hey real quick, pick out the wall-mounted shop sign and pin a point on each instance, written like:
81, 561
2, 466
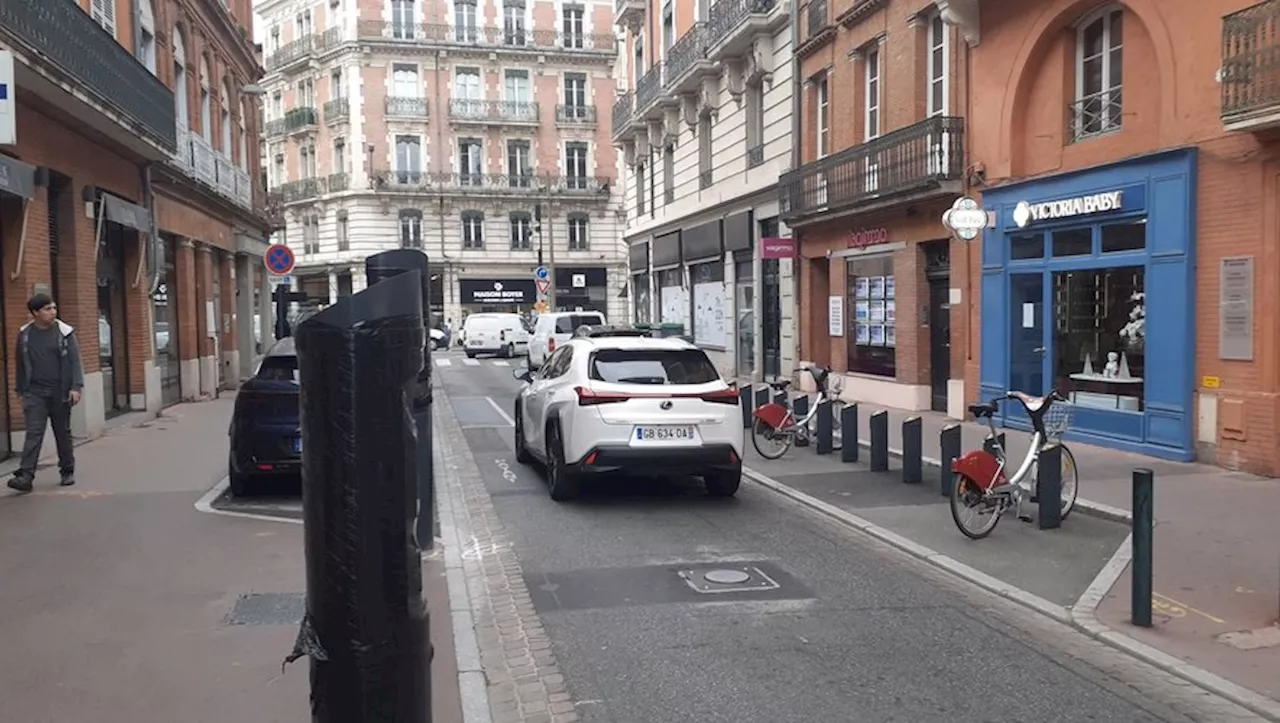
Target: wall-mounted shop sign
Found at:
777, 248
498, 291
865, 237
1024, 214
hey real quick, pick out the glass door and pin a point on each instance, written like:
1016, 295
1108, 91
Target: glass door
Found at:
1028, 345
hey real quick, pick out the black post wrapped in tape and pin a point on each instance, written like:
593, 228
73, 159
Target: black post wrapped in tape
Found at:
366, 624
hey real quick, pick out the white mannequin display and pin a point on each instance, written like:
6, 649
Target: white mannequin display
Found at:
1112, 369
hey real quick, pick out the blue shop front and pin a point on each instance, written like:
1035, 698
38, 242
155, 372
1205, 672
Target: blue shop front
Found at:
1086, 277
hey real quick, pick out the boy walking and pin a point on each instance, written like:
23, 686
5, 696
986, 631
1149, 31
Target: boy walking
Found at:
50, 377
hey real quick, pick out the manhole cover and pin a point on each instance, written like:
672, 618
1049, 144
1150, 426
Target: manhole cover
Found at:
268, 608
747, 578
727, 577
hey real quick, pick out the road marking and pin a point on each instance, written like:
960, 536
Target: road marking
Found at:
1179, 609
500, 363
471, 362
205, 505
443, 362
502, 412
78, 494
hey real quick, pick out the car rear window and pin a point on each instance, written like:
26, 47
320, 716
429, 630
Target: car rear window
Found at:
569, 324
653, 366
279, 368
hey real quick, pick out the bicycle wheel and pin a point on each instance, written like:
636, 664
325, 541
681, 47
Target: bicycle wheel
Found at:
769, 442
975, 513
1070, 481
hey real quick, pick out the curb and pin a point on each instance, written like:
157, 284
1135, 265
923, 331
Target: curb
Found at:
1087, 507
1081, 616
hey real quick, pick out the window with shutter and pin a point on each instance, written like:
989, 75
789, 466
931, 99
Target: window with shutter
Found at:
104, 13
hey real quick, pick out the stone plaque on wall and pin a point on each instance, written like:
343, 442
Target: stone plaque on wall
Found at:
1235, 309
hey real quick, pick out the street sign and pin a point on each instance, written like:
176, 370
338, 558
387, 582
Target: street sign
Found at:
279, 260
542, 273
966, 218
543, 285
277, 280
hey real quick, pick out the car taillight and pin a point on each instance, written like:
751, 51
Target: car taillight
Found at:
551, 344
724, 396
586, 397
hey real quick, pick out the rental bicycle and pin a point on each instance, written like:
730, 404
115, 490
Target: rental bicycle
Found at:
982, 485
775, 428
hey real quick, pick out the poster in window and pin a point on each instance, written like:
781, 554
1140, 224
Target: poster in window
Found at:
861, 287
877, 310
835, 316
675, 305
889, 311
877, 335
861, 311
890, 336
708, 315
861, 334
888, 287
877, 287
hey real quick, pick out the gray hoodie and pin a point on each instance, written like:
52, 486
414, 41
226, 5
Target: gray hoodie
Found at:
72, 374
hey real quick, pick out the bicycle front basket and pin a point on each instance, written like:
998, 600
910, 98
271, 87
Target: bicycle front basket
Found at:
1057, 419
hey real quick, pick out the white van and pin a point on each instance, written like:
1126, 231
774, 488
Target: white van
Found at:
490, 333
555, 329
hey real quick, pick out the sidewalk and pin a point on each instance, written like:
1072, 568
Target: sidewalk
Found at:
123, 603
1217, 545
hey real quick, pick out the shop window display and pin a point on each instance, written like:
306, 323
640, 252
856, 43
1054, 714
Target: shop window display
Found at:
744, 284
872, 333
1099, 337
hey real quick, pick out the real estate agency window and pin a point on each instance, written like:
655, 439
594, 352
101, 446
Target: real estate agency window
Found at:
708, 305
871, 336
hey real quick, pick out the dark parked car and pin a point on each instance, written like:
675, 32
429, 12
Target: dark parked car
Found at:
266, 431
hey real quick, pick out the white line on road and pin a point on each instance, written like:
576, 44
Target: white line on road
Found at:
500, 363
205, 505
502, 412
471, 362
443, 362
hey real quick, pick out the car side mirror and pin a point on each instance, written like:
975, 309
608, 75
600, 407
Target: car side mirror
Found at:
524, 374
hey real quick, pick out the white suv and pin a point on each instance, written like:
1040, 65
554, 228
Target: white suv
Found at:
607, 403
553, 330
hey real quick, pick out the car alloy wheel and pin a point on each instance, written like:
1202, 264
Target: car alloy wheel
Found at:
562, 483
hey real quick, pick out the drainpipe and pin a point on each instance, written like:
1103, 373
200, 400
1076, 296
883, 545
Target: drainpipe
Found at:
153, 248
797, 85
137, 27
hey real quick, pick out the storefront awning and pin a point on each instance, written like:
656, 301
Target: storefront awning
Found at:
125, 213
17, 178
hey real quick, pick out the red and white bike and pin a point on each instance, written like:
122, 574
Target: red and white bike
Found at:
983, 488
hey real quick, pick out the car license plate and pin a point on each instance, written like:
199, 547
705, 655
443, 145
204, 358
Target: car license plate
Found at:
297, 445
659, 434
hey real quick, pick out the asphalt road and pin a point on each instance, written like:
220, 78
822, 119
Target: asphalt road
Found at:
831, 626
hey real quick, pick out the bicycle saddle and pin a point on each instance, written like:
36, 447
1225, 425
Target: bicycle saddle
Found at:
984, 409
1033, 404
779, 384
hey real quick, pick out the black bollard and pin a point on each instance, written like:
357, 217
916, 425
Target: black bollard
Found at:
744, 401
1049, 487
377, 268
849, 433
762, 397
1143, 528
825, 427
880, 441
949, 441
799, 409
780, 397
365, 627
913, 451
989, 444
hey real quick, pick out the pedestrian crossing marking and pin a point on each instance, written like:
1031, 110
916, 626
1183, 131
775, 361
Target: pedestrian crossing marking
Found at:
501, 363
471, 362
443, 362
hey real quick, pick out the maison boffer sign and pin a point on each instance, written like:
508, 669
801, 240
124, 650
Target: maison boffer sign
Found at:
498, 291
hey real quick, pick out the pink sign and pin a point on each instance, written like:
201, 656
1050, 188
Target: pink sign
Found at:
777, 248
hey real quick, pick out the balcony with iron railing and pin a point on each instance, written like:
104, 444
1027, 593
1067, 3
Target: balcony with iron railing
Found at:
1250, 70
649, 89
623, 109
63, 40
497, 38
524, 184
301, 119
273, 128
291, 54
733, 24
197, 159
499, 112
337, 182
913, 163
301, 190
337, 110
687, 61
576, 115
402, 106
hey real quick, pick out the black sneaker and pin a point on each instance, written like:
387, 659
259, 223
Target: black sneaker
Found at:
20, 482
68, 479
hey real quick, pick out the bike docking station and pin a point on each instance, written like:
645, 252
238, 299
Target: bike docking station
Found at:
1143, 532
745, 398
879, 441
800, 408
826, 428
949, 450
913, 451
849, 420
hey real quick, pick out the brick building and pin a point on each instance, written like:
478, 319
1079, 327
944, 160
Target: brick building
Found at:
1128, 153
881, 156
447, 127
130, 203
705, 133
